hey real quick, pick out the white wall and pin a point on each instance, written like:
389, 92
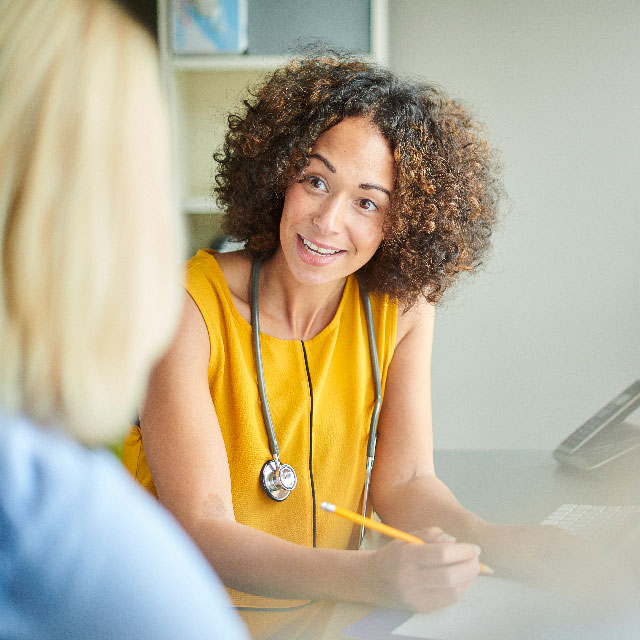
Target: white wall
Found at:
550, 330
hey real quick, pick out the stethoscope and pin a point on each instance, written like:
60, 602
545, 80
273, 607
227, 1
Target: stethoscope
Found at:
279, 479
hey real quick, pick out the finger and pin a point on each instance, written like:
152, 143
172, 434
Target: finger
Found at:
441, 587
452, 576
433, 534
446, 553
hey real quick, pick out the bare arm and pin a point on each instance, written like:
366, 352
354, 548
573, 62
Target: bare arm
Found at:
188, 461
412, 497
187, 458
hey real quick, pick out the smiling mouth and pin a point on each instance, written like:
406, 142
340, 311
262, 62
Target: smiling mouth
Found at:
314, 248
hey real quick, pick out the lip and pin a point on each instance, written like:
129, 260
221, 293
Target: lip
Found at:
315, 259
320, 244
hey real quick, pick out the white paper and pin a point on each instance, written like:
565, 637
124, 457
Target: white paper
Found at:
490, 605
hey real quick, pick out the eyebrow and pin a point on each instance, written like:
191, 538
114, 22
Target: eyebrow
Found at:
324, 161
365, 185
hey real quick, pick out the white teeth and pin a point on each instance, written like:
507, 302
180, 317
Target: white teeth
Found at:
317, 249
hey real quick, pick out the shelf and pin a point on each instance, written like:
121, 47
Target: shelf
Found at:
226, 62
203, 99
204, 89
200, 204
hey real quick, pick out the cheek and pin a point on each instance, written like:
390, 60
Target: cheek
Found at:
372, 237
293, 209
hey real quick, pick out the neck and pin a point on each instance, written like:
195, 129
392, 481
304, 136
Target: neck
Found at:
290, 309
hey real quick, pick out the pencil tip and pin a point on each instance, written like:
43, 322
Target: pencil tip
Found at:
327, 506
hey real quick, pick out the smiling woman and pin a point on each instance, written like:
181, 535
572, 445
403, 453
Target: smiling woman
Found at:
360, 196
333, 216
445, 175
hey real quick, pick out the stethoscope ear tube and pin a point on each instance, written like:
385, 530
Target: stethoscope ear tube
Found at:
373, 427
257, 350
277, 479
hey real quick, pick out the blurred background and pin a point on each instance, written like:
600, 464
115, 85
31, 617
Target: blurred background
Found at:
549, 332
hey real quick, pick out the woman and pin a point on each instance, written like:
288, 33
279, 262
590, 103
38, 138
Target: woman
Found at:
89, 297
337, 169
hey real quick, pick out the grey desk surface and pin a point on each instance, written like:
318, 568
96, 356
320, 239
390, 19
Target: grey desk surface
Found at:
523, 487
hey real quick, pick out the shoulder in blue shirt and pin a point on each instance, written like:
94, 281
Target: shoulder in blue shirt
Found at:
85, 553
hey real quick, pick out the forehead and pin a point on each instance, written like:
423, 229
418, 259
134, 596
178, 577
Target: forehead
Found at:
356, 146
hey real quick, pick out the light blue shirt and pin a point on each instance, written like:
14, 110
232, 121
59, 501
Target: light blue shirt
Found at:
84, 553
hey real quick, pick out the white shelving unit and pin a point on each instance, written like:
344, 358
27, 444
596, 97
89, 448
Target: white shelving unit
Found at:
205, 89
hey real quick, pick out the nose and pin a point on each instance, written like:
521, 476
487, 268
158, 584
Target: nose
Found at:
329, 218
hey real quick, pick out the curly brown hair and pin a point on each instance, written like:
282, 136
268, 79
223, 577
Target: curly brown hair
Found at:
446, 193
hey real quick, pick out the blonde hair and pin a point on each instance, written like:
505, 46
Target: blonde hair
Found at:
91, 243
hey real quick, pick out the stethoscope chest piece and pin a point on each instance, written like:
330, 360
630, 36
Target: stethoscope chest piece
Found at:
278, 480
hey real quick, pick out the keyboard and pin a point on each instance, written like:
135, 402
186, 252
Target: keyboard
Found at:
597, 521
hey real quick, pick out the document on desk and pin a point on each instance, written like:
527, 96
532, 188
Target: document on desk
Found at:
487, 601
491, 608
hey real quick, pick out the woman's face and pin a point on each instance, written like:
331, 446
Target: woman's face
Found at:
332, 218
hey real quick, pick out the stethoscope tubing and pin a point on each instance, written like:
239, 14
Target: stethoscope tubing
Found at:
373, 427
257, 349
262, 390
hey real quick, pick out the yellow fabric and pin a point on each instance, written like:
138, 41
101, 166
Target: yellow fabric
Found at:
328, 455
135, 461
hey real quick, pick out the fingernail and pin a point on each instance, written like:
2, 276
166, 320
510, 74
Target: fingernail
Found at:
478, 549
445, 537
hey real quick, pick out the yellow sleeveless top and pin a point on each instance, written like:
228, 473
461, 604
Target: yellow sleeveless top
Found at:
321, 397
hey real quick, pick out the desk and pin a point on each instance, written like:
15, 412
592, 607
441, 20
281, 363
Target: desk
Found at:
518, 487
523, 487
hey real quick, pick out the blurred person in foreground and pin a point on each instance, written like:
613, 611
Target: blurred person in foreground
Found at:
89, 296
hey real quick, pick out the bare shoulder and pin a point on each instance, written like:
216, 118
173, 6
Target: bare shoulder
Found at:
236, 269
419, 318
191, 338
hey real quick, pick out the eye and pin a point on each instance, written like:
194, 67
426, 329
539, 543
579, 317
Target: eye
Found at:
367, 205
317, 183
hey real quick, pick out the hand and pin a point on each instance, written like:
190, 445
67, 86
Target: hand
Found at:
421, 577
546, 554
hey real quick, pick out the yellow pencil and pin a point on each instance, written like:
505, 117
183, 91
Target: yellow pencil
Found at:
392, 532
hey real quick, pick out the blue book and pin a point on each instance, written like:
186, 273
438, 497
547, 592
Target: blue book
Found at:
200, 27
